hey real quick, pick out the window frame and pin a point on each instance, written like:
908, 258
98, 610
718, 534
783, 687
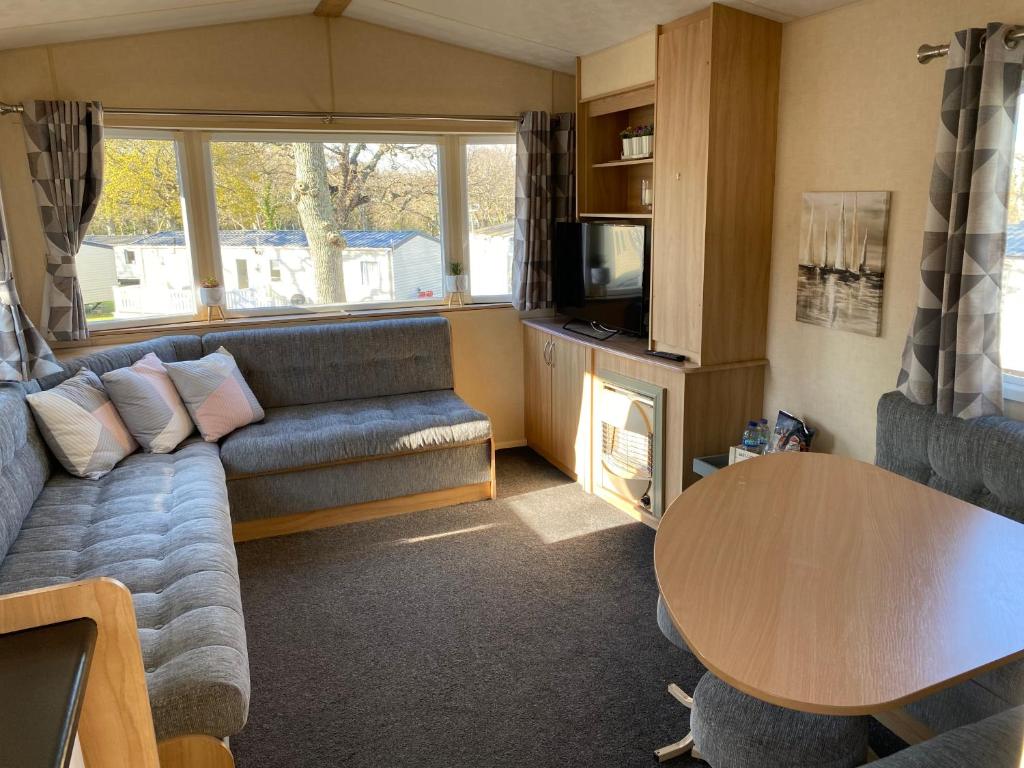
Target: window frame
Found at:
1013, 384
465, 141
197, 197
189, 226
209, 137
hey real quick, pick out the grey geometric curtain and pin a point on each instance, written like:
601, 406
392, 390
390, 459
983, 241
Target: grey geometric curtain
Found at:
65, 157
24, 354
545, 194
951, 357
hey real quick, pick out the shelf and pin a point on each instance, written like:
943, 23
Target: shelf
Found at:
618, 163
615, 215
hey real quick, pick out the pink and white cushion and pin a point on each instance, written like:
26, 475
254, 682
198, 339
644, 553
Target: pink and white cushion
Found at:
216, 395
81, 425
149, 404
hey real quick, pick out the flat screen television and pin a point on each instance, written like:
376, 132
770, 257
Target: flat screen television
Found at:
601, 273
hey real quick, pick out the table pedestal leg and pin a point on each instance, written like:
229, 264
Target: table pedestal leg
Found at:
684, 745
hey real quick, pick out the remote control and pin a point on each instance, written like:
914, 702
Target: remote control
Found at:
667, 356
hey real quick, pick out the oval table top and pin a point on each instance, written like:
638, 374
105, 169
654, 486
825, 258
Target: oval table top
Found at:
829, 585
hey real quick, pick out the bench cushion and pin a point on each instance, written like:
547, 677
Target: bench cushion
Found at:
991, 743
308, 364
160, 525
24, 463
301, 436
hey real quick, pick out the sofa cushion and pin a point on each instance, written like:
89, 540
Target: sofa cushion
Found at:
307, 364
991, 743
168, 348
24, 463
216, 395
159, 523
978, 460
81, 425
302, 436
149, 404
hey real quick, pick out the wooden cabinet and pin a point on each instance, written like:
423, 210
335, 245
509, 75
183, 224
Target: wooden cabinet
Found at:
557, 400
717, 96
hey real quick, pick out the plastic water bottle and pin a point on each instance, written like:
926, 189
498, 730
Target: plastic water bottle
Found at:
764, 435
751, 437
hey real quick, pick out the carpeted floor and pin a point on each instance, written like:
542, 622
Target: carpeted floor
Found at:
518, 632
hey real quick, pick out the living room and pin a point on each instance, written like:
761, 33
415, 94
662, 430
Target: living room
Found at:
386, 383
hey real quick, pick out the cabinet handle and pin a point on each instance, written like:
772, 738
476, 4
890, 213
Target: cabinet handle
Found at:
547, 351
552, 355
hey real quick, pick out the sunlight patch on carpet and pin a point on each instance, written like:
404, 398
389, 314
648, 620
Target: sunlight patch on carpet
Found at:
554, 521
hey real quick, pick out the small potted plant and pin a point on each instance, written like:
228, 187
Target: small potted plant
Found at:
643, 141
211, 292
627, 142
456, 281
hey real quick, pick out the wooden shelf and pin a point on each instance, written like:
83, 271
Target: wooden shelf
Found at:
615, 215
619, 163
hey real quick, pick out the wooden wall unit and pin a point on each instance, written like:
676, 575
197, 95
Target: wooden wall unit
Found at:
557, 400
717, 100
706, 407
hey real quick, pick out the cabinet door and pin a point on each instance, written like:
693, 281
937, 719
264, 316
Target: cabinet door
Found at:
680, 187
570, 407
537, 388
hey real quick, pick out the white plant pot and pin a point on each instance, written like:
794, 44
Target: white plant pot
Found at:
212, 297
456, 283
627, 148
644, 146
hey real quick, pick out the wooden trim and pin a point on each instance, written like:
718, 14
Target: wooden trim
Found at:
354, 513
506, 444
905, 725
619, 92
624, 100
360, 459
331, 9
494, 475
195, 751
116, 725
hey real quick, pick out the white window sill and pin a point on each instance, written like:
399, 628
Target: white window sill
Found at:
1013, 388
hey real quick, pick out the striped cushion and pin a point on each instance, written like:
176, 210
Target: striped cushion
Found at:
215, 394
81, 425
149, 404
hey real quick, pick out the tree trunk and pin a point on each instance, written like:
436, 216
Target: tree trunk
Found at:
312, 195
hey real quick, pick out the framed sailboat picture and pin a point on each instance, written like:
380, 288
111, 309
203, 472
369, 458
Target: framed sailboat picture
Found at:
842, 260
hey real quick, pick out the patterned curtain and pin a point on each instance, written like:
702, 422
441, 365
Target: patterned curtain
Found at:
24, 354
951, 358
545, 194
65, 158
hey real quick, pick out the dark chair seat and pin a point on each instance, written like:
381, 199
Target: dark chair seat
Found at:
734, 730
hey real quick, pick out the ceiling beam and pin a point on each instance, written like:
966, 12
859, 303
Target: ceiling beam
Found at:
331, 9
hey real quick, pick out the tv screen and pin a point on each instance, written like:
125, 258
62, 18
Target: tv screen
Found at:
601, 273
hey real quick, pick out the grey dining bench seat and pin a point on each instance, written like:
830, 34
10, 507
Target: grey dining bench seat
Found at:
995, 742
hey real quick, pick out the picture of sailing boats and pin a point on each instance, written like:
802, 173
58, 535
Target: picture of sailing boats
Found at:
842, 260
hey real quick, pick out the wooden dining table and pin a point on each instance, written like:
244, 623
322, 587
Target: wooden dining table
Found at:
828, 585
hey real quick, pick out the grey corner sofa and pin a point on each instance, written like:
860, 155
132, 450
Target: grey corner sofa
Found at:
355, 413
981, 721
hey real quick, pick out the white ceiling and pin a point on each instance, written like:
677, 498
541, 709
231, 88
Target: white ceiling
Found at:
549, 33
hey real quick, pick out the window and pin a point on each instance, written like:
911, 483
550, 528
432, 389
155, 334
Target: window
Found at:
297, 222
1012, 315
353, 222
136, 263
490, 179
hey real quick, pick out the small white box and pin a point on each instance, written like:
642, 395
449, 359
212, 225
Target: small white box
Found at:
737, 453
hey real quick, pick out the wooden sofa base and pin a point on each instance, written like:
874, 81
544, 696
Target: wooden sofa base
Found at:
354, 513
195, 752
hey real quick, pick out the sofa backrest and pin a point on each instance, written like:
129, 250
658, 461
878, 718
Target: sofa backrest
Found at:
170, 349
308, 364
978, 460
24, 463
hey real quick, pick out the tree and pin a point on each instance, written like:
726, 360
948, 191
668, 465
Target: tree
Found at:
313, 198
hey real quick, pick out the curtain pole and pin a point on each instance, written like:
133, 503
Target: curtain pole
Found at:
928, 52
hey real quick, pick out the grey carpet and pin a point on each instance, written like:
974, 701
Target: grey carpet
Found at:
517, 632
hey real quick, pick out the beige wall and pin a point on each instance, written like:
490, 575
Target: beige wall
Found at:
297, 63
857, 112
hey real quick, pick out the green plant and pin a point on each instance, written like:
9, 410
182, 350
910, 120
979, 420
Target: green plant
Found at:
644, 130
455, 268
627, 133
209, 282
